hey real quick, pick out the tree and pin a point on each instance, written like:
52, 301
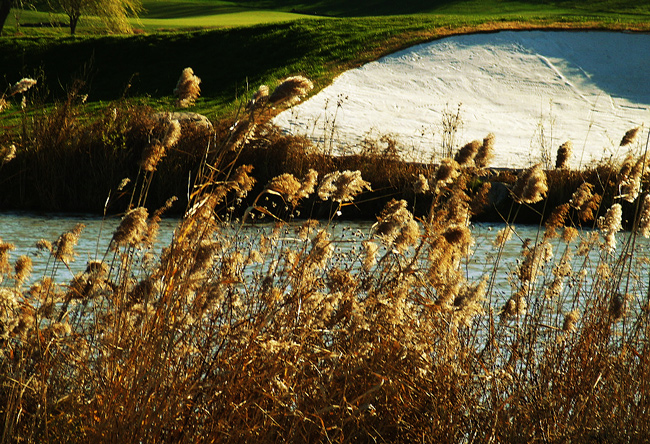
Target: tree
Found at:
114, 13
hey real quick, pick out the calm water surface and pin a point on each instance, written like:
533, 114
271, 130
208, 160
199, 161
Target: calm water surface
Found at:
25, 229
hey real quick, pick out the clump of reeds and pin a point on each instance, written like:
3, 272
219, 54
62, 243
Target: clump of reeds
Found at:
564, 154
296, 332
187, 89
289, 90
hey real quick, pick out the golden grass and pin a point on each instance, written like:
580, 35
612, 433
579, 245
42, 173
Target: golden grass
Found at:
228, 336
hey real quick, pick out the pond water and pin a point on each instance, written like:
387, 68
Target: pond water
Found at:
24, 230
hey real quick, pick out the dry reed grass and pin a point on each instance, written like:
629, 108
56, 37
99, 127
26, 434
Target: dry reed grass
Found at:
228, 336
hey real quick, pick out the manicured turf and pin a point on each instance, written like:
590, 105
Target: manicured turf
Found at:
232, 61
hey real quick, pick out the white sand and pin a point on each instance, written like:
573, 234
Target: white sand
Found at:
533, 89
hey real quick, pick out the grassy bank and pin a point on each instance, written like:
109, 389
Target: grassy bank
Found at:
237, 336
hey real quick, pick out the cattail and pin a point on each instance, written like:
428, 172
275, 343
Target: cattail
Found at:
644, 218
23, 269
563, 154
630, 136
609, 225
21, 86
64, 245
342, 186
485, 152
187, 89
291, 89
570, 321
132, 230
421, 185
7, 154
530, 186
465, 155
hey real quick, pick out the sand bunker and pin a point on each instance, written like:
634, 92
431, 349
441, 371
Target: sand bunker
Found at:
533, 89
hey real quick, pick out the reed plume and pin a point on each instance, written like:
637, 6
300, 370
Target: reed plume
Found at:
630, 136
132, 230
530, 186
187, 88
342, 186
21, 86
291, 89
563, 154
609, 225
465, 156
485, 152
64, 245
7, 154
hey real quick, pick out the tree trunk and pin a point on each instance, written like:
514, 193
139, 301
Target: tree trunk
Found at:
74, 19
5, 7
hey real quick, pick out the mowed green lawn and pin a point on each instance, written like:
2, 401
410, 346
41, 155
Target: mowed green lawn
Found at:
236, 46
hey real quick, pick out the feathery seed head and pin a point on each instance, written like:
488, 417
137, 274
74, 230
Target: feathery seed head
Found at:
447, 172
151, 155
630, 178
259, 98
530, 186
291, 90
187, 89
243, 181
465, 156
172, 135
64, 245
609, 225
570, 321
485, 152
644, 218
503, 236
7, 154
563, 154
132, 230
630, 136
23, 269
21, 86
421, 185
286, 185
342, 186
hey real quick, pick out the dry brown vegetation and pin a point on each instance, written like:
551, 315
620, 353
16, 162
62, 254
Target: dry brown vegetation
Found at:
232, 335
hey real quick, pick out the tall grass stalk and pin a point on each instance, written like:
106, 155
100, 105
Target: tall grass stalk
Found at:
232, 335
